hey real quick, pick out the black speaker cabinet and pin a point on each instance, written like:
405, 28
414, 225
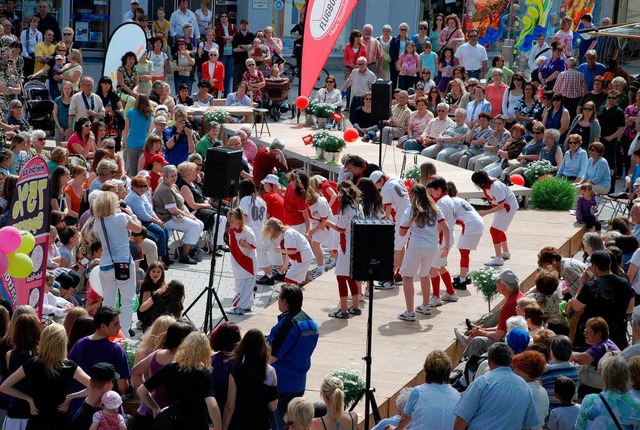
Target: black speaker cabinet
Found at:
222, 172
372, 250
381, 93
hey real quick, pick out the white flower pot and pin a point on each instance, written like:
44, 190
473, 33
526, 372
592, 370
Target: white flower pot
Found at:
321, 122
309, 120
321, 154
333, 158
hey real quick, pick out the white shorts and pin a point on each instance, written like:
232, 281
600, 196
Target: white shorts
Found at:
267, 255
300, 228
399, 241
439, 261
418, 262
297, 272
469, 241
325, 236
244, 293
343, 265
502, 219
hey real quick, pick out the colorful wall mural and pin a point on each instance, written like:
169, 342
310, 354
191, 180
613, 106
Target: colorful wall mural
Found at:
525, 20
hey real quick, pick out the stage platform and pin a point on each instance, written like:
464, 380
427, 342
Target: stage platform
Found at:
392, 158
399, 347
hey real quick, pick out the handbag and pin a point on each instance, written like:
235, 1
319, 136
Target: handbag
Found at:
121, 270
588, 375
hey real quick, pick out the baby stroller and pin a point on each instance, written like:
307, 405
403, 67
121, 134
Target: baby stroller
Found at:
277, 97
39, 106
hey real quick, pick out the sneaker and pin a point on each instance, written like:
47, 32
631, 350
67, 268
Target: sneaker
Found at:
459, 285
339, 314
329, 264
450, 297
407, 316
460, 338
187, 260
355, 311
384, 285
424, 310
397, 279
435, 301
314, 274
496, 261
278, 277
506, 255
245, 310
264, 280
365, 138
236, 311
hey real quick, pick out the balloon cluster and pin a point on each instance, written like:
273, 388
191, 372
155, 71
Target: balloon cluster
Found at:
14, 247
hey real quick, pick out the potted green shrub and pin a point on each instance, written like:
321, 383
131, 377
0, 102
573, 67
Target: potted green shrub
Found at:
537, 169
413, 172
331, 144
485, 284
309, 113
554, 194
323, 112
218, 115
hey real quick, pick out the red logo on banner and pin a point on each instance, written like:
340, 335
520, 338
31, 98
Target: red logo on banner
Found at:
308, 139
324, 21
336, 117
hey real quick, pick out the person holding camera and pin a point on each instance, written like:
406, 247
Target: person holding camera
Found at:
178, 139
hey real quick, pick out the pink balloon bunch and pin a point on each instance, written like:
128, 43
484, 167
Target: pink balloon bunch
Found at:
14, 247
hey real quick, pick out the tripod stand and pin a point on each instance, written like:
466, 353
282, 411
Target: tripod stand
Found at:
207, 326
368, 391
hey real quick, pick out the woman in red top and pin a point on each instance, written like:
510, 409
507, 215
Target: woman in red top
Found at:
152, 146
213, 71
82, 140
328, 189
74, 193
295, 202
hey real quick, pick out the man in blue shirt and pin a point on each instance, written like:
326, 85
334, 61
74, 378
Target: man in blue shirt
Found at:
292, 342
499, 399
591, 68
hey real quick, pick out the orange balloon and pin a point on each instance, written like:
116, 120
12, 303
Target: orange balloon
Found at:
517, 180
350, 135
302, 102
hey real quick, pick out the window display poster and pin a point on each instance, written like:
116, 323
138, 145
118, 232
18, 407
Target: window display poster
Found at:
95, 37
82, 31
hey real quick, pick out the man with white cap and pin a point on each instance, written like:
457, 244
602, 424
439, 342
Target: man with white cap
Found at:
395, 199
479, 338
267, 159
130, 14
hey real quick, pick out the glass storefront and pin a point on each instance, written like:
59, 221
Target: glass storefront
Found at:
90, 22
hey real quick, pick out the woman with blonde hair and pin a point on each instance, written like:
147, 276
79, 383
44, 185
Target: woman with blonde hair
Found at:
72, 71
332, 393
586, 125
299, 414
153, 337
50, 375
187, 381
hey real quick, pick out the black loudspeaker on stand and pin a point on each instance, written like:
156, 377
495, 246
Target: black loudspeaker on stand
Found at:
381, 92
371, 259
221, 177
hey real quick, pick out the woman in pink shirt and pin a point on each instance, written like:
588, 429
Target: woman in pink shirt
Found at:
495, 91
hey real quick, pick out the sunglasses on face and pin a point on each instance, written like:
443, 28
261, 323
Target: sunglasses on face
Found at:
426, 73
213, 55
66, 34
403, 29
86, 124
329, 82
40, 139
587, 108
573, 142
536, 132
422, 27
612, 98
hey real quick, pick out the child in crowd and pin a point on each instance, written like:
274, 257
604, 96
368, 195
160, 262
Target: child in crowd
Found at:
109, 417
438, 191
472, 228
168, 300
425, 223
52, 305
152, 282
243, 244
564, 416
319, 234
587, 207
57, 70
505, 206
274, 202
103, 376
93, 300
350, 209
295, 202
292, 244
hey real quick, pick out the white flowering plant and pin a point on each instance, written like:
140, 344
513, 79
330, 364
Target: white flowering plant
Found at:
413, 172
353, 382
311, 107
328, 142
537, 169
218, 115
485, 284
324, 110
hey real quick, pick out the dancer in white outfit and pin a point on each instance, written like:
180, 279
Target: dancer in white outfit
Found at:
242, 245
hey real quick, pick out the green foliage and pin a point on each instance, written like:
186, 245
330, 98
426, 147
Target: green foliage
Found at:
323, 110
483, 280
328, 142
537, 169
413, 172
311, 107
353, 383
557, 194
218, 115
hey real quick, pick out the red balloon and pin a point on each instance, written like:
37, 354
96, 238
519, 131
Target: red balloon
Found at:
302, 102
350, 135
517, 180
